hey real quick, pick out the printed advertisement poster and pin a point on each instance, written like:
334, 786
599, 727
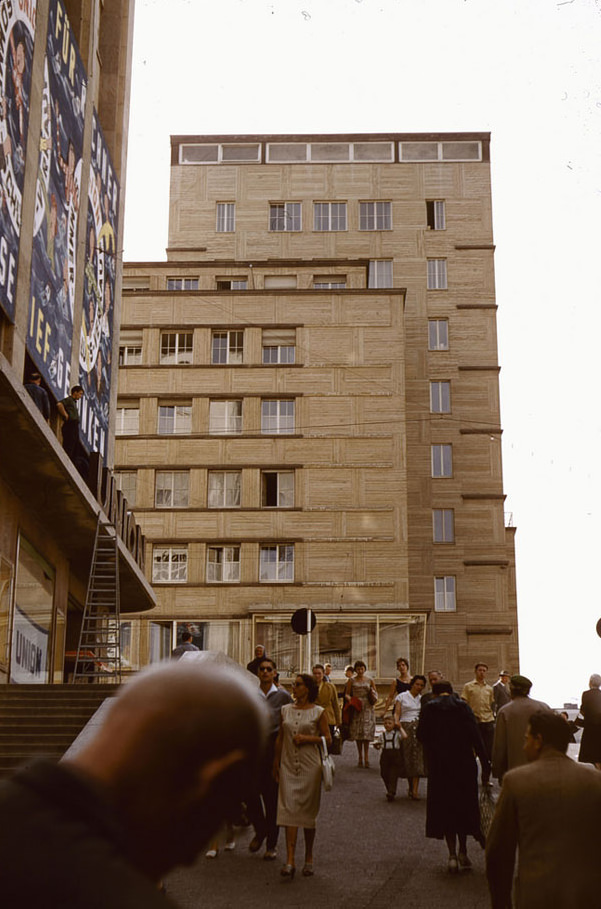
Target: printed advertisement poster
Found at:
17, 29
58, 199
99, 295
29, 664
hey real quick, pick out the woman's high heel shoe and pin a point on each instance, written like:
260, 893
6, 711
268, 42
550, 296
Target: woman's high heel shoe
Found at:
308, 869
288, 871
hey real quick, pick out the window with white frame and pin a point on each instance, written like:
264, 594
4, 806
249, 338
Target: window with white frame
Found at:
223, 488
380, 273
276, 562
437, 274
172, 488
329, 282
175, 419
226, 217
329, 216
375, 215
440, 397
277, 488
232, 283
127, 482
443, 525
438, 334
176, 348
223, 564
182, 283
285, 216
225, 417
444, 594
130, 348
169, 564
227, 347
279, 345
277, 417
127, 421
435, 215
442, 460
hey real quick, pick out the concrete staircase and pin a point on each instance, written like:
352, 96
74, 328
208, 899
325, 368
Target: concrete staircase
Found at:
43, 720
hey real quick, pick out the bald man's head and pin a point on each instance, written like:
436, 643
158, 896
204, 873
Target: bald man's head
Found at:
174, 755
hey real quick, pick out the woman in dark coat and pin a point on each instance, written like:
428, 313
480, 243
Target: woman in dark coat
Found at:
450, 735
590, 745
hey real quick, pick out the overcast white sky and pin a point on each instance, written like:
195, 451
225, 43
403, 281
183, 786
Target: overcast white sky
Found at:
528, 72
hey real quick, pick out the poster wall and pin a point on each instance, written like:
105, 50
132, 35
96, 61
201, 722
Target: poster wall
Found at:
17, 31
99, 295
58, 199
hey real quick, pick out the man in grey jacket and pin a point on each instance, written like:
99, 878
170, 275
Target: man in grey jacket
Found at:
512, 722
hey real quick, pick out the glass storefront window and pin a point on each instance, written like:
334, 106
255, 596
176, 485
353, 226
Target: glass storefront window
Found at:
160, 641
32, 619
223, 636
340, 640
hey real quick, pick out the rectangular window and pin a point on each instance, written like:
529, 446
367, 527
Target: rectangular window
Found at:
277, 488
277, 417
227, 347
232, 283
224, 489
283, 282
225, 417
329, 216
169, 564
380, 273
442, 460
443, 525
276, 562
375, 215
182, 283
130, 348
435, 215
127, 482
175, 419
285, 216
437, 274
226, 217
329, 282
176, 348
440, 397
279, 345
444, 594
223, 564
438, 334
172, 489
127, 422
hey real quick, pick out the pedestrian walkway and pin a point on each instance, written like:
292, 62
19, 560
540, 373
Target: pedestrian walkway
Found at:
370, 853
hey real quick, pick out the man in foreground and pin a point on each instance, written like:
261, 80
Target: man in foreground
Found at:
549, 810
170, 762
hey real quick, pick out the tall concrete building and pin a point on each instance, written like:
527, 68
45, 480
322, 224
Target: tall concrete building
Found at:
308, 409
64, 107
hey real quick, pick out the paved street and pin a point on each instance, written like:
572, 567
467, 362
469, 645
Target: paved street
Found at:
369, 853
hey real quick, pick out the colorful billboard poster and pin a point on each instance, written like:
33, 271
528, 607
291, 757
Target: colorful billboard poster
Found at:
17, 29
98, 295
58, 197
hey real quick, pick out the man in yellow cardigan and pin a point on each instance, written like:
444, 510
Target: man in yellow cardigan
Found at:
327, 698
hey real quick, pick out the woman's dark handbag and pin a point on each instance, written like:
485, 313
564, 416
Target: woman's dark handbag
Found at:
372, 696
336, 746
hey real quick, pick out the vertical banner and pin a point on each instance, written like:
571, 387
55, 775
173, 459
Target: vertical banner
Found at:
58, 198
99, 295
17, 30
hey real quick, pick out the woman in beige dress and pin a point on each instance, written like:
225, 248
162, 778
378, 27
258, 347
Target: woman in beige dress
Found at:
363, 723
297, 769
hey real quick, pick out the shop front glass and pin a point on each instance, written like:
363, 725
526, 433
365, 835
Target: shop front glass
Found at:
218, 635
32, 618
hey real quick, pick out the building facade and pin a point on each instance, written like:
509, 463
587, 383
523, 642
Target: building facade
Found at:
308, 409
64, 108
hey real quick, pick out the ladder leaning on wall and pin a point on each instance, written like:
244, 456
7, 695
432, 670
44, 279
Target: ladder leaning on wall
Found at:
98, 657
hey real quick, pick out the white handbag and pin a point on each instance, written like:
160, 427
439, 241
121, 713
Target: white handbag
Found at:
328, 767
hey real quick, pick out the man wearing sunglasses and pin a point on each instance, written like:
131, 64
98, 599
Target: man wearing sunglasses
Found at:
262, 805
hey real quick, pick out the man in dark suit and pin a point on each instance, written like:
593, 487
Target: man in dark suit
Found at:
549, 811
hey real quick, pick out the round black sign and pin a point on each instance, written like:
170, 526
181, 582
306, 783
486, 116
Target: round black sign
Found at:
599, 628
299, 621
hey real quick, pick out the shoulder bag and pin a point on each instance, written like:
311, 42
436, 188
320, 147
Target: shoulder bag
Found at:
328, 767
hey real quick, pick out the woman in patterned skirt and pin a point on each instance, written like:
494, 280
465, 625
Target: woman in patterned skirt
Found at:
297, 769
406, 712
363, 723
